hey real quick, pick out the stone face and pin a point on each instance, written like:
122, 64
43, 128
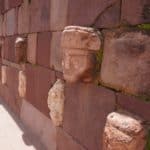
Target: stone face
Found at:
40, 15
23, 17
66, 142
31, 48
85, 111
134, 105
1, 25
58, 14
123, 131
55, 101
126, 64
4, 74
56, 52
43, 48
39, 80
39, 124
11, 22
140, 14
80, 45
22, 84
20, 49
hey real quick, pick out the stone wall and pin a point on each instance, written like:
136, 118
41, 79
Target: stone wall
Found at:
100, 62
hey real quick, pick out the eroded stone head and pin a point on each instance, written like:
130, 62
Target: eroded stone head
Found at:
55, 101
80, 45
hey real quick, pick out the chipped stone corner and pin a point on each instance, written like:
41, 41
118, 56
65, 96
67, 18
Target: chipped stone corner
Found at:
80, 46
124, 131
55, 102
22, 84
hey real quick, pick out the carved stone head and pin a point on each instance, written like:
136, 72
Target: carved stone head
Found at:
80, 45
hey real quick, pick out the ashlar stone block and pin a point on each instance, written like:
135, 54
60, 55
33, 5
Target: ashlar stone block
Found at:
56, 100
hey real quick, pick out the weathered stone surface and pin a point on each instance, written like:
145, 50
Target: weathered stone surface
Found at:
23, 17
22, 84
80, 45
1, 25
80, 38
14, 3
39, 80
110, 17
66, 142
4, 74
86, 109
140, 14
31, 48
124, 132
58, 14
56, 52
125, 63
20, 49
39, 125
85, 12
11, 21
134, 105
40, 15
56, 99
43, 48
1, 6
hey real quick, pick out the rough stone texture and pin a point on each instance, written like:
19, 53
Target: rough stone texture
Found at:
31, 48
66, 142
43, 48
134, 105
22, 84
140, 14
23, 17
80, 45
58, 14
110, 17
20, 49
39, 124
14, 3
56, 52
40, 15
1, 25
1, 6
39, 81
86, 108
11, 21
3, 74
124, 132
56, 99
77, 10
126, 64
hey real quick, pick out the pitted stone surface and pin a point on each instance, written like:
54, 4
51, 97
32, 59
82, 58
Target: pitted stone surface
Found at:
125, 64
22, 84
80, 45
123, 131
56, 100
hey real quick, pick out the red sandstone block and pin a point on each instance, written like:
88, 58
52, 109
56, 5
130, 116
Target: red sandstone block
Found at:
66, 142
40, 15
58, 14
86, 108
32, 48
9, 48
134, 105
56, 52
140, 14
1, 6
43, 48
11, 21
1, 25
86, 12
14, 3
23, 17
39, 80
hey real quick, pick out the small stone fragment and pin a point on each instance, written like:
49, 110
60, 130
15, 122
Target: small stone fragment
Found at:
55, 101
